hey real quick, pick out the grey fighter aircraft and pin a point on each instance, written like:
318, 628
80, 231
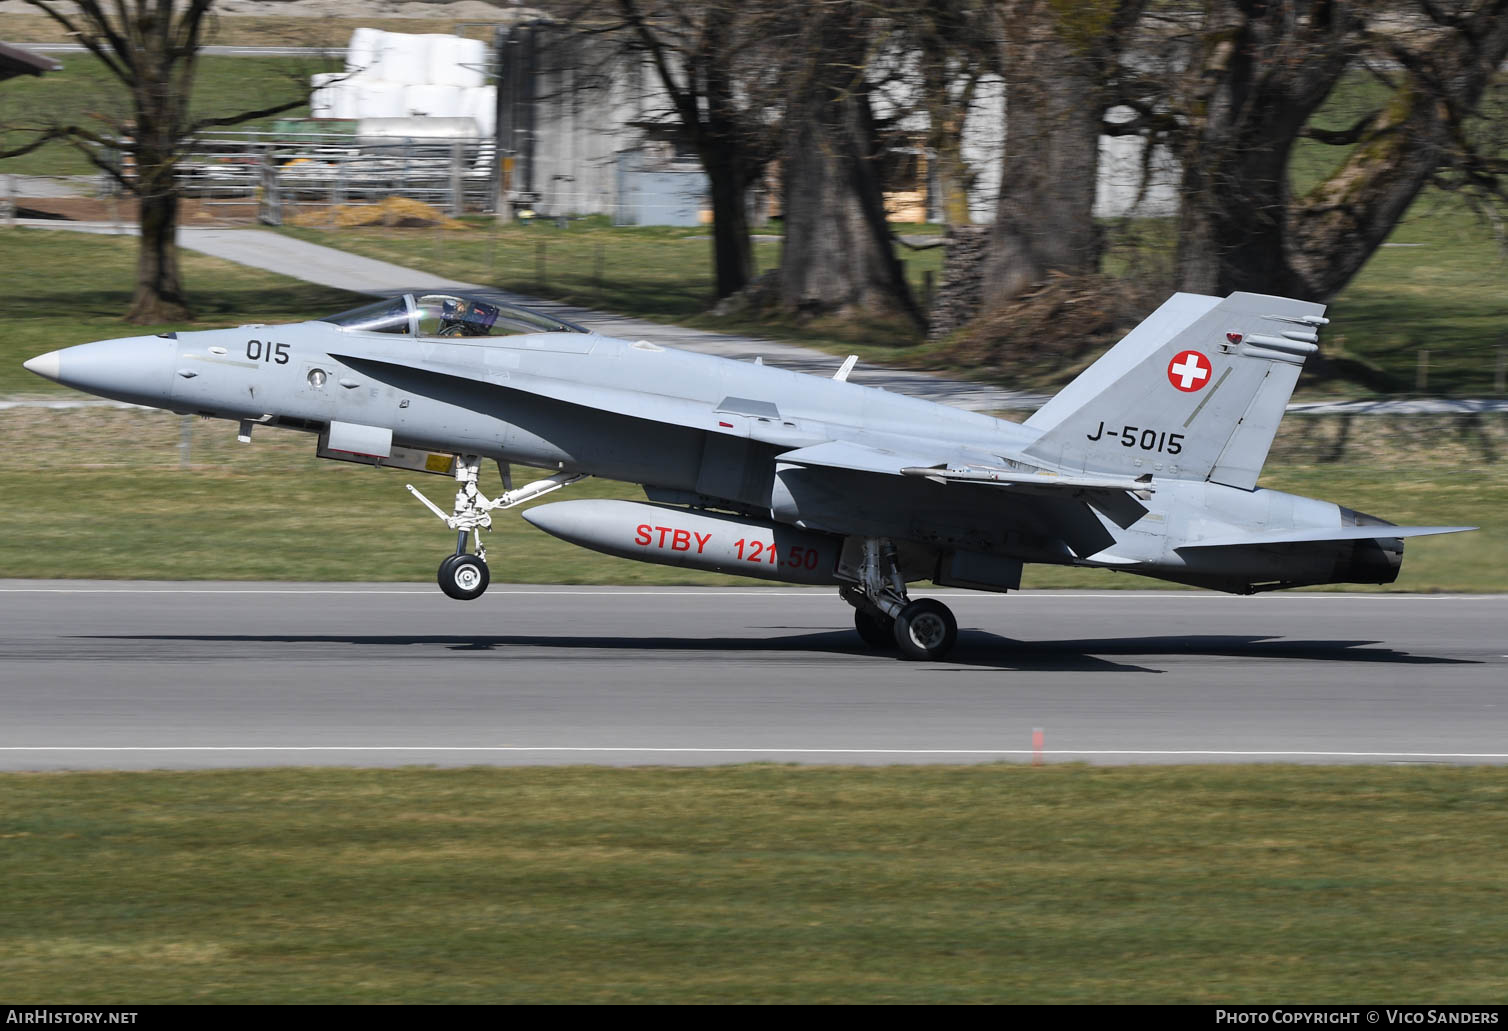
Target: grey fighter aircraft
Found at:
1146, 463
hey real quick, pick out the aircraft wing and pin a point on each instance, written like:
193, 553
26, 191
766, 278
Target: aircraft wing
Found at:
1334, 533
1114, 496
664, 408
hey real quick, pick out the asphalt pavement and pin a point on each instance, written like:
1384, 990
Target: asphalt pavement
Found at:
159, 675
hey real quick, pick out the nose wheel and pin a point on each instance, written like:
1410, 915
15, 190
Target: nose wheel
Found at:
464, 577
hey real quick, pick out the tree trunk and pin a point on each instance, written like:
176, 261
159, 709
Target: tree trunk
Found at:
838, 251
160, 108
1265, 75
949, 171
1232, 222
732, 249
728, 152
159, 293
706, 102
1056, 59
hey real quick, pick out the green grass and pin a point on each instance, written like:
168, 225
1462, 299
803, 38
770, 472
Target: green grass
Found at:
69, 288
232, 28
1436, 286
84, 93
756, 884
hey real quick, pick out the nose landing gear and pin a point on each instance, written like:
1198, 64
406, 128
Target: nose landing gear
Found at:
465, 576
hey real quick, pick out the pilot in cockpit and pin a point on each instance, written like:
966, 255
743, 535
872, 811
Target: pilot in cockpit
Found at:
462, 318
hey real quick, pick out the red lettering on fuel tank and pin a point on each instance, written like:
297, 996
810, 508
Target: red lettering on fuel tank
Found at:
663, 531
643, 535
701, 540
680, 540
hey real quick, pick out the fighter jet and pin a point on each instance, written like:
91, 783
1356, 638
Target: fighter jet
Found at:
1146, 463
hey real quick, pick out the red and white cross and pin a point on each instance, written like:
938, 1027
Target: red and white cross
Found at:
1189, 370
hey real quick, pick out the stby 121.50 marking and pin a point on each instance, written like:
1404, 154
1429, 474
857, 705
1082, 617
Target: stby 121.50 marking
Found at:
1145, 439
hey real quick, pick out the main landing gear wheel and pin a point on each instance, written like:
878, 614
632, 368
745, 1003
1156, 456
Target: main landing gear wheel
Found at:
877, 629
464, 577
925, 629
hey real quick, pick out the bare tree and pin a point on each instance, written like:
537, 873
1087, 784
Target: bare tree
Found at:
839, 250
713, 61
1061, 62
1260, 72
955, 44
151, 48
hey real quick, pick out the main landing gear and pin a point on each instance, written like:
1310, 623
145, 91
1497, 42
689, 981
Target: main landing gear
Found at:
886, 618
465, 576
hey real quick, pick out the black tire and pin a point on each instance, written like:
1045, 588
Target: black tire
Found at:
876, 628
925, 630
464, 577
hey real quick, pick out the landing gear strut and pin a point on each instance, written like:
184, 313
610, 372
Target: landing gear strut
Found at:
886, 618
464, 576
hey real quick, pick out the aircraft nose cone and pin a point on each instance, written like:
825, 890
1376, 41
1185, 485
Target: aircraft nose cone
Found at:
135, 369
44, 365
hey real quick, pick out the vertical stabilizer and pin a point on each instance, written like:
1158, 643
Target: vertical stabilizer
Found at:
1195, 392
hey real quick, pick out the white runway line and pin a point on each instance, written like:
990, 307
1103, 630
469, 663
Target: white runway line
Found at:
636, 749
727, 592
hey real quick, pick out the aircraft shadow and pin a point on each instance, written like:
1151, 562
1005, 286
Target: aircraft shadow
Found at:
975, 648
1069, 654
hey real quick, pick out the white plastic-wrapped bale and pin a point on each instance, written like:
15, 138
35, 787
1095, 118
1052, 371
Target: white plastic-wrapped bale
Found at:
457, 61
386, 130
322, 94
364, 52
344, 97
405, 57
480, 103
377, 99
429, 101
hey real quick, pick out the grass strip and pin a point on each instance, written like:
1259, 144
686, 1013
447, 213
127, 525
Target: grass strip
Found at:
757, 883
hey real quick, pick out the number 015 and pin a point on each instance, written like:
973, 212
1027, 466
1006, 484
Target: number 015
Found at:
257, 351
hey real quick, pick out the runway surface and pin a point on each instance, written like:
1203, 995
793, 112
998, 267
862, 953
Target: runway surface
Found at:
148, 675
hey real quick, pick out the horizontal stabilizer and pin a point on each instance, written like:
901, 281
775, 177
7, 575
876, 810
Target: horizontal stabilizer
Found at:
1334, 533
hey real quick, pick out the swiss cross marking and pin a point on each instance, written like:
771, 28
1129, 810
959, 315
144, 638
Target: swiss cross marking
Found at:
1189, 370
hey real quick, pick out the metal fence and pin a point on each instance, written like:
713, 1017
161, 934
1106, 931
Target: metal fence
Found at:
280, 173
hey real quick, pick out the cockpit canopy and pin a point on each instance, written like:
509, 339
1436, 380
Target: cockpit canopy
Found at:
447, 315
